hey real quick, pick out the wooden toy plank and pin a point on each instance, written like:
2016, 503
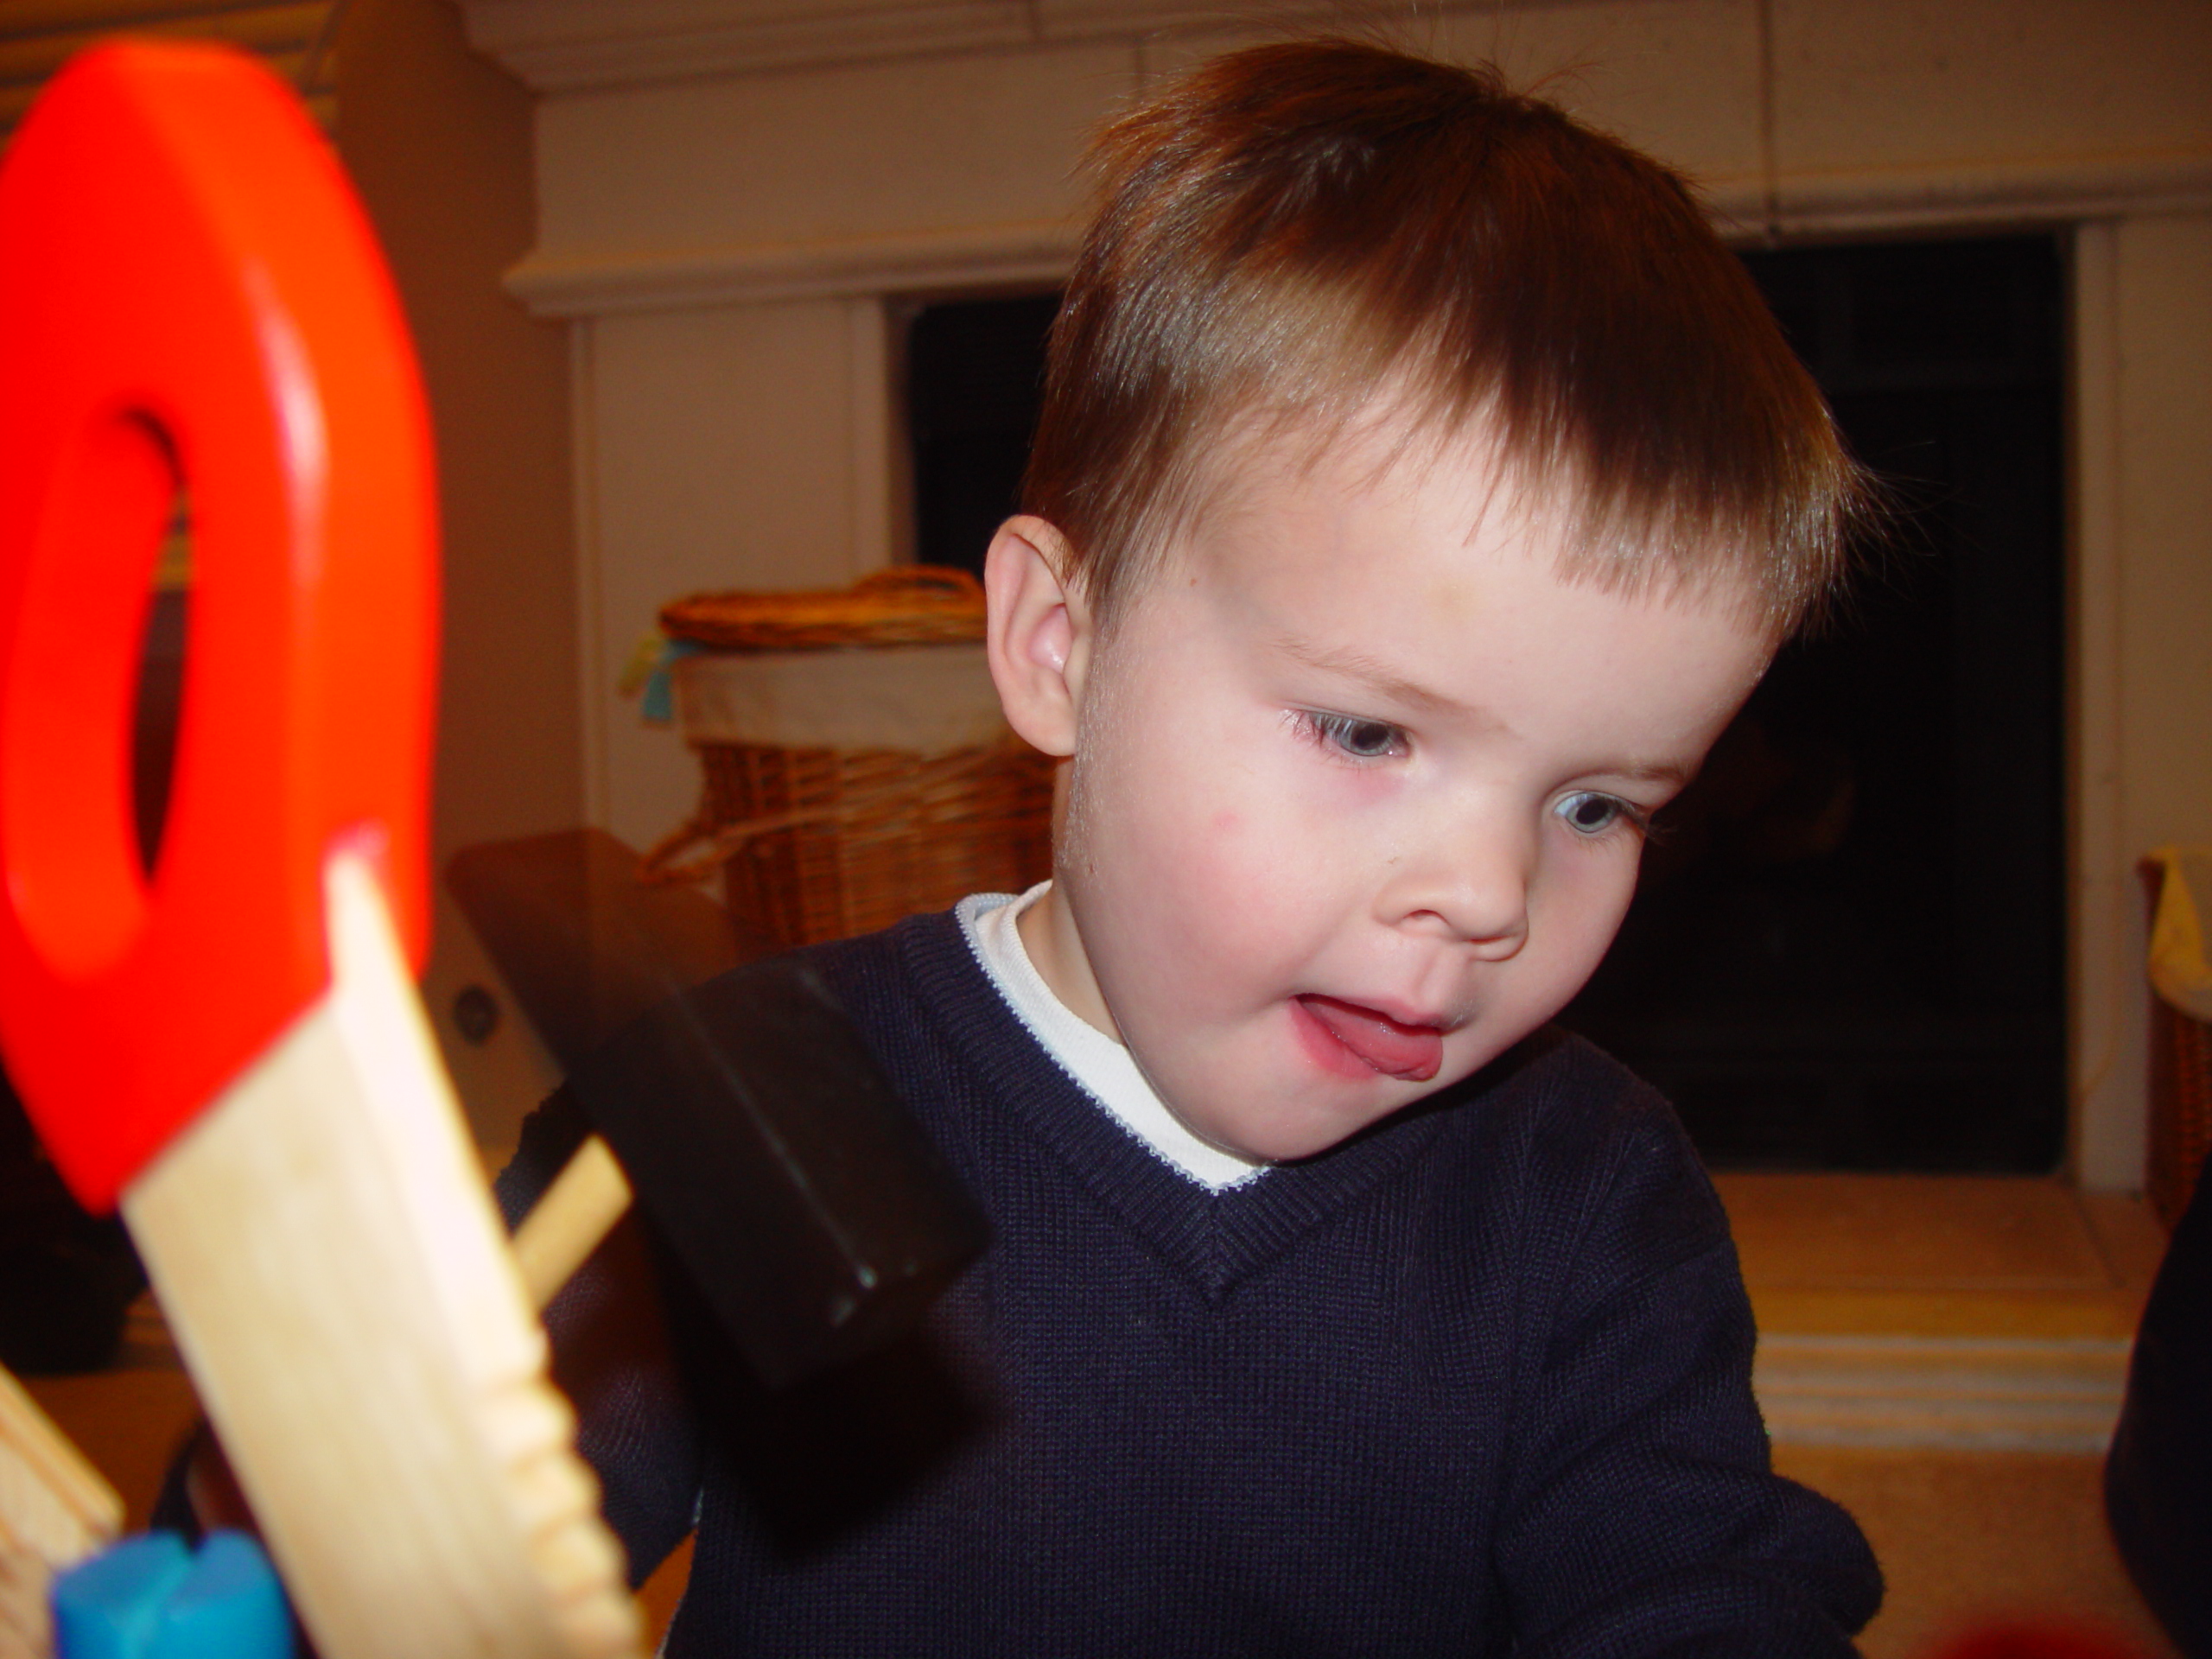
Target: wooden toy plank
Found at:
565, 1226
340, 1286
26, 1609
53, 1502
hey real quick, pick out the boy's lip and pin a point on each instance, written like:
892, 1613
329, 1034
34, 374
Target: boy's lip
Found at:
1336, 1030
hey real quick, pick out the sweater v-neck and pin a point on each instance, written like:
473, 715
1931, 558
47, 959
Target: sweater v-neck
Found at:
1214, 1238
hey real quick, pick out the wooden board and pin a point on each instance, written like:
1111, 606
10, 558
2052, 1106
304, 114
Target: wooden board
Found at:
339, 1285
53, 1502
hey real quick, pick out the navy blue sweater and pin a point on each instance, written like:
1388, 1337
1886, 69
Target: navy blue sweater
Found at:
1476, 1382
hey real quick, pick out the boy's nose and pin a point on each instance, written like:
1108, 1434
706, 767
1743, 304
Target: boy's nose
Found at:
1472, 886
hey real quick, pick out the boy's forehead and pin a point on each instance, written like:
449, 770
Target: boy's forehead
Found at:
1387, 488
1389, 455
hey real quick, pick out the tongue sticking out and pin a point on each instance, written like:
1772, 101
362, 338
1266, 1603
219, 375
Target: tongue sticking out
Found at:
1413, 1052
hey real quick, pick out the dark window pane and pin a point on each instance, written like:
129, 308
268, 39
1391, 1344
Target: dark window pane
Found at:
972, 375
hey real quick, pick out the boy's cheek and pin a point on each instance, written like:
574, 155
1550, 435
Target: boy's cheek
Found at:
1578, 921
1261, 858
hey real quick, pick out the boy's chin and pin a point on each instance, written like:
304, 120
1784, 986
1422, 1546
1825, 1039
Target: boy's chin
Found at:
1277, 1141
1268, 1134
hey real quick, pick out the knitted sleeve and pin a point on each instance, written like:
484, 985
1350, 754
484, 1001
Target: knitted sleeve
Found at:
1642, 1516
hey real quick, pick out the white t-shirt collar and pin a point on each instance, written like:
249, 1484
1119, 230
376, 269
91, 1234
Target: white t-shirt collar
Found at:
1104, 1068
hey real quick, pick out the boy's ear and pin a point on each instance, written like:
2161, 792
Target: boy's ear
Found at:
1039, 634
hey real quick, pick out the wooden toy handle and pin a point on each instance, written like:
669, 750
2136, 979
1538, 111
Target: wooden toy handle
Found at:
191, 303
53, 1502
565, 1226
340, 1288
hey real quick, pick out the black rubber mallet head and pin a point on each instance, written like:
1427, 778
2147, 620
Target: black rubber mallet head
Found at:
747, 1113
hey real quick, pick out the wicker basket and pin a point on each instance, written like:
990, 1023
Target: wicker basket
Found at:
2180, 1043
857, 770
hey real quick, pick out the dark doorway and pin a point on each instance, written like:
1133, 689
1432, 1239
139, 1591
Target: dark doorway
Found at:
1847, 950
974, 372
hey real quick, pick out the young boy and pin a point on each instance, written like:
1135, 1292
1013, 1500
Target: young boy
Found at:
1420, 488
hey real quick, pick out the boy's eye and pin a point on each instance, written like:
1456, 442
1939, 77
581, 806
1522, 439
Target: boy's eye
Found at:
1589, 813
1362, 740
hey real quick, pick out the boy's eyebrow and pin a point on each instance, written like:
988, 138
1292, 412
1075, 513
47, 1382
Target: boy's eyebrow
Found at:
1661, 772
1359, 665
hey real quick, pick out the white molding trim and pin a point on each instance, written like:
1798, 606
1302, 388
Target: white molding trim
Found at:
878, 493
558, 46
595, 281
2045, 191
563, 46
2107, 1017
1971, 1394
593, 676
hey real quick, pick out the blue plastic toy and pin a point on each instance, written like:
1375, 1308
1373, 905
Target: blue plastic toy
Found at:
151, 1597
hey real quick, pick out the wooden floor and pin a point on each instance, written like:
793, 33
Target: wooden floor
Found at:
1970, 1538
1944, 1357
1941, 1256
1939, 1354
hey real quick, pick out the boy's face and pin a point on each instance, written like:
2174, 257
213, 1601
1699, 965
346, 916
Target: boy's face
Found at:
1357, 786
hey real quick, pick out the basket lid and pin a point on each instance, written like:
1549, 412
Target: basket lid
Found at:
912, 605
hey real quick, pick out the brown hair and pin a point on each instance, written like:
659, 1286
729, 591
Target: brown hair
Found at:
1291, 231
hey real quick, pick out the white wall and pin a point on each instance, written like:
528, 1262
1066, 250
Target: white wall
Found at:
731, 190
438, 140
2142, 632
